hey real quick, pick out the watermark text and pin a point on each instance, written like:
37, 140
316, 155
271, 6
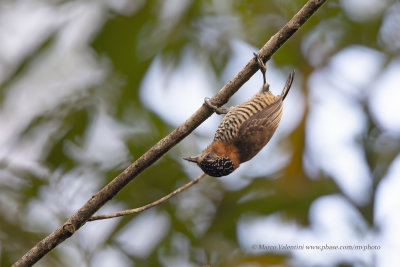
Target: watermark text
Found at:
325, 247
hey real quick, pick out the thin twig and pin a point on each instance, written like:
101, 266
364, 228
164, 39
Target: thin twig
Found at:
150, 205
164, 145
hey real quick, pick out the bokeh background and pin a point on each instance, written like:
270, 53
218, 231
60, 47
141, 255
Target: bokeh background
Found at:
88, 86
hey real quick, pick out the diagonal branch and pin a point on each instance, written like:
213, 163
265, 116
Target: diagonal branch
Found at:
153, 154
150, 205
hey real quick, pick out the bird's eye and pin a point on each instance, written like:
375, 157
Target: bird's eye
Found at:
208, 156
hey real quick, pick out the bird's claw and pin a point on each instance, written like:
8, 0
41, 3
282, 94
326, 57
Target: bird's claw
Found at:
216, 109
261, 65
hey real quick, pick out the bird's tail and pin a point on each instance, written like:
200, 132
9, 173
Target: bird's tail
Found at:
288, 84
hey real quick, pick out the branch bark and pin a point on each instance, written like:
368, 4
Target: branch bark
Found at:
153, 154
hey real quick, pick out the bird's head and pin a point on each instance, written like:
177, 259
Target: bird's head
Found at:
212, 164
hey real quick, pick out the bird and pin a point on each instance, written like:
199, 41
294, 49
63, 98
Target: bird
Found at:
245, 129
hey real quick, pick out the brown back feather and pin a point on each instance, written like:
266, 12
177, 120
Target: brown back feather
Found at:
228, 129
256, 132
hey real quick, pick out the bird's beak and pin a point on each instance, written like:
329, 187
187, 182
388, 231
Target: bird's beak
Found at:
191, 159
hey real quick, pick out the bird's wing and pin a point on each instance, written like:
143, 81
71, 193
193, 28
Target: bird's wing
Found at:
255, 132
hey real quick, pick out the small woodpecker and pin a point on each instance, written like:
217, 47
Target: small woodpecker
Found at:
244, 131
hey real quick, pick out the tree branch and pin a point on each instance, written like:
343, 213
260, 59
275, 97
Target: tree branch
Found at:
150, 205
153, 154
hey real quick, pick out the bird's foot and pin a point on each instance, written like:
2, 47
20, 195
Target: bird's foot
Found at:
263, 69
217, 110
261, 65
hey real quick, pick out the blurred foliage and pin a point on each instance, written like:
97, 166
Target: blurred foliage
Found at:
129, 42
